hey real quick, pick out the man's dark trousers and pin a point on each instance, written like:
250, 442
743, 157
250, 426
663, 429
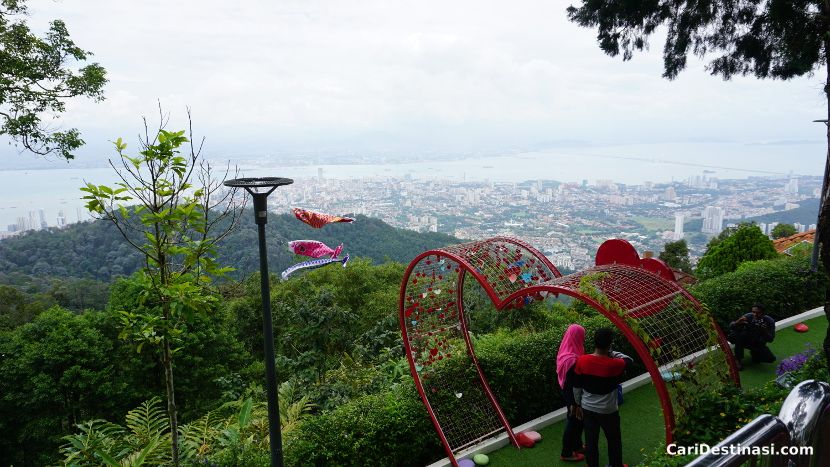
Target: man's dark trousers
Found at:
610, 424
759, 353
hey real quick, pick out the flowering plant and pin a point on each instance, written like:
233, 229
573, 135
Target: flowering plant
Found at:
796, 361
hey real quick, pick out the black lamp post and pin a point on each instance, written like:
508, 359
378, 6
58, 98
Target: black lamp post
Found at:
259, 189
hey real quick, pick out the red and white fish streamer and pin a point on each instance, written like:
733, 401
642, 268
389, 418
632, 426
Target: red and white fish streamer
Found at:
314, 249
318, 219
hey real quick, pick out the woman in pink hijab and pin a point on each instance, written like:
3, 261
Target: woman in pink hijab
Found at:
571, 347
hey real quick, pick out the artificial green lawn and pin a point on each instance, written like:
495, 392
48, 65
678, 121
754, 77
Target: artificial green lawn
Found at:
642, 419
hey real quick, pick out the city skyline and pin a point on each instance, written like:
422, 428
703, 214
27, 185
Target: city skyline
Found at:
567, 221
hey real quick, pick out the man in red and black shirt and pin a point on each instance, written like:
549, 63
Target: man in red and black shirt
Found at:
595, 391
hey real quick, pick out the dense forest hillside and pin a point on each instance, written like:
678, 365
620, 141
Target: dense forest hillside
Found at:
96, 250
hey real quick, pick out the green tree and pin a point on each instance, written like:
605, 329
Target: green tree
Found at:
778, 39
54, 372
747, 243
723, 235
783, 230
174, 227
676, 255
38, 75
17, 308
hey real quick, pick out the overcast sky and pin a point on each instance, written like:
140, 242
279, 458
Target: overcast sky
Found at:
265, 77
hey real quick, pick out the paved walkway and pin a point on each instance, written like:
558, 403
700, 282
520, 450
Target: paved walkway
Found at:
642, 419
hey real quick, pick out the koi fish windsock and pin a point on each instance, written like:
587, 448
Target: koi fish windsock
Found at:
313, 264
318, 219
314, 249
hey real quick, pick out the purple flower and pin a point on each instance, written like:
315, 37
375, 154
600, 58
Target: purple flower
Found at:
796, 361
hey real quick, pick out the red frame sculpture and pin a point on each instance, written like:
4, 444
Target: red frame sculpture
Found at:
513, 273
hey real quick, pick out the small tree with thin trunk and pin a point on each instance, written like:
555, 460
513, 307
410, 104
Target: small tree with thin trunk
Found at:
169, 207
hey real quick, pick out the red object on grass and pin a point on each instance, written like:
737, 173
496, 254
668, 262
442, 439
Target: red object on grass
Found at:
525, 440
801, 327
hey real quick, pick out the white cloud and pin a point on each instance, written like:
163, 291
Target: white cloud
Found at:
291, 71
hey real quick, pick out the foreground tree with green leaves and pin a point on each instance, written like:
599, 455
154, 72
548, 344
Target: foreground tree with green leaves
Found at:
37, 76
778, 39
169, 207
746, 243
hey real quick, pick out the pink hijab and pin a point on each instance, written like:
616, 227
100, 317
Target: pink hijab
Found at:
571, 347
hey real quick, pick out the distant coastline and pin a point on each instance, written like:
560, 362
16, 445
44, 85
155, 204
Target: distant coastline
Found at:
54, 188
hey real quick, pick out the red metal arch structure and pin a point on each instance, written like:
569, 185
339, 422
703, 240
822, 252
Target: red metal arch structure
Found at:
639, 296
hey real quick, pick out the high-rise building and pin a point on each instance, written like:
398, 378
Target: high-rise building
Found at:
42, 215
61, 220
679, 218
605, 184
712, 220
23, 224
792, 186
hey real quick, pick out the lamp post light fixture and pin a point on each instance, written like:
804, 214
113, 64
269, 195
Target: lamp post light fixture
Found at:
821, 200
259, 189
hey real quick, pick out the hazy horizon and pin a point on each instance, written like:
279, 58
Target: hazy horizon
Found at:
402, 79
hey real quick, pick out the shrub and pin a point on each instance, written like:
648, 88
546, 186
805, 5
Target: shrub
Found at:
795, 289
746, 243
393, 428
521, 368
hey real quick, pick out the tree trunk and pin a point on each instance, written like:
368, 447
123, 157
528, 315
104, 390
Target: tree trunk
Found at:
171, 401
823, 227
167, 360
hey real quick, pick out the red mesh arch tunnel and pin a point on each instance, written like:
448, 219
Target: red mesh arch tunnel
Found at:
657, 316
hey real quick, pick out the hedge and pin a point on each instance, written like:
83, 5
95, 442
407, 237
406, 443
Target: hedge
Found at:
392, 428
785, 286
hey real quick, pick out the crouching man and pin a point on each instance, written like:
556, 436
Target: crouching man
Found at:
753, 331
